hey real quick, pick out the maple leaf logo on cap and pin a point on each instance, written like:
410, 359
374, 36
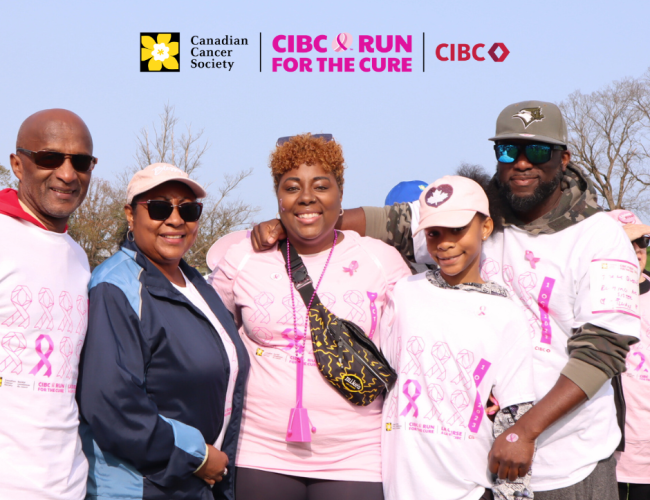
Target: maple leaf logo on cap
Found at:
438, 195
529, 115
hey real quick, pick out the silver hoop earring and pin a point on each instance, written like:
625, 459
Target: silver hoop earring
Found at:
341, 212
129, 236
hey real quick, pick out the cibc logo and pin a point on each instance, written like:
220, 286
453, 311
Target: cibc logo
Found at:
464, 52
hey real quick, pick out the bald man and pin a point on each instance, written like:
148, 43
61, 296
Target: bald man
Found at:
43, 307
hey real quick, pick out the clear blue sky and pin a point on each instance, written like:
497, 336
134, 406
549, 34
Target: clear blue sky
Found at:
83, 56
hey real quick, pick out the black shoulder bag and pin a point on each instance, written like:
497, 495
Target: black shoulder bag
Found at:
346, 357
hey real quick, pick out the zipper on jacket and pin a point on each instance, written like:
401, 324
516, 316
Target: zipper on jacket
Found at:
354, 353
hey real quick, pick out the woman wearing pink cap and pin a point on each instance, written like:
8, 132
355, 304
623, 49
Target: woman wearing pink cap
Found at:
453, 338
338, 456
633, 464
163, 369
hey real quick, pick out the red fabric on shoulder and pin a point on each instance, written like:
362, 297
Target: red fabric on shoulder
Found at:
10, 206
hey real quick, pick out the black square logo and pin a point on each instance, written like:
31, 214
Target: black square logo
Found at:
160, 52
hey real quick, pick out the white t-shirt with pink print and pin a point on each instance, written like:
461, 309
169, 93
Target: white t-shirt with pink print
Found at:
450, 348
586, 273
43, 318
256, 288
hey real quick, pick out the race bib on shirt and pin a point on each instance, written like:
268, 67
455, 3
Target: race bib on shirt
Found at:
614, 286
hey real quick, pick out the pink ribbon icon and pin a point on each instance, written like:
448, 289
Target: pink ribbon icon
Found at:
530, 257
460, 401
65, 346
354, 265
262, 302
21, 298
44, 357
411, 399
46, 300
373, 313
477, 413
508, 276
436, 395
327, 299
288, 318
464, 361
65, 301
441, 354
14, 344
642, 357
355, 300
82, 309
262, 335
489, 268
414, 347
294, 340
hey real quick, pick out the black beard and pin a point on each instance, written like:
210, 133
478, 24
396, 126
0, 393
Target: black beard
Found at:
523, 204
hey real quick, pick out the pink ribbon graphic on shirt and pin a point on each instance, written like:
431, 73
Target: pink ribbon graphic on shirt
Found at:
46, 300
640, 355
262, 302
294, 341
373, 313
436, 395
65, 301
327, 299
411, 399
354, 265
14, 344
355, 300
300, 311
415, 347
460, 401
65, 346
82, 309
530, 257
261, 335
489, 268
441, 354
44, 357
508, 276
464, 361
392, 404
21, 298
477, 413
543, 301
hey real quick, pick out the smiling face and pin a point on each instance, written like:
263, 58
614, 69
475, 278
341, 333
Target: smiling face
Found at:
163, 242
458, 250
52, 194
309, 201
642, 255
531, 190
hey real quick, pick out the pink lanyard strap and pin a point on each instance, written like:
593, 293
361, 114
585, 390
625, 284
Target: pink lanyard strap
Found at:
300, 350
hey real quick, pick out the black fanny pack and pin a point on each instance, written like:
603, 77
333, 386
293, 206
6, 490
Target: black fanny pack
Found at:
346, 357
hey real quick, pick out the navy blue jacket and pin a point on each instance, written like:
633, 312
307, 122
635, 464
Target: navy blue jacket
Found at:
152, 384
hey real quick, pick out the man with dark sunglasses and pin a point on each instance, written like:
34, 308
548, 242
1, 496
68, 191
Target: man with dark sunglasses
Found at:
44, 277
565, 262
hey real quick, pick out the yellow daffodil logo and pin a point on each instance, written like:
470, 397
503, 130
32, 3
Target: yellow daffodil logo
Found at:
159, 52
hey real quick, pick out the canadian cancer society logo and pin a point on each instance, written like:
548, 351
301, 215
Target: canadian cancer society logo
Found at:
160, 52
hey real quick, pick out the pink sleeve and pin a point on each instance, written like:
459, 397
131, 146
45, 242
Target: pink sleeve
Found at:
223, 277
392, 262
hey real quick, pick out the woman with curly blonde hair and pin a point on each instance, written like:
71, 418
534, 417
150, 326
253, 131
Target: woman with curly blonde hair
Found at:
339, 457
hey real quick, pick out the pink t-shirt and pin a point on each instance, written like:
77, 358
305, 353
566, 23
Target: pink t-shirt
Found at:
255, 287
634, 463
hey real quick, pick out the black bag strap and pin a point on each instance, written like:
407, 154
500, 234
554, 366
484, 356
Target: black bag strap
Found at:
299, 274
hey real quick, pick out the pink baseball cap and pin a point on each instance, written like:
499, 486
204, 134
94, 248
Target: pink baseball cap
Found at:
451, 202
625, 217
157, 174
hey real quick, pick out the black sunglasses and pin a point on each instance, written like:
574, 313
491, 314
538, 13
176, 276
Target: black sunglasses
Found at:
536, 153
162, 210
642, 241
53, 159
325, 137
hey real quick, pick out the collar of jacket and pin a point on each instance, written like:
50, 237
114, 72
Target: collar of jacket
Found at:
157, 283
578, 202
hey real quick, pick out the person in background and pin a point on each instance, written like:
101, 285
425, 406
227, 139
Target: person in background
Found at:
352, 276
43, 309
163, 370
633, 464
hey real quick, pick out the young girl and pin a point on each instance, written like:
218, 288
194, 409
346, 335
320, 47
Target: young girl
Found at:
453, 338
